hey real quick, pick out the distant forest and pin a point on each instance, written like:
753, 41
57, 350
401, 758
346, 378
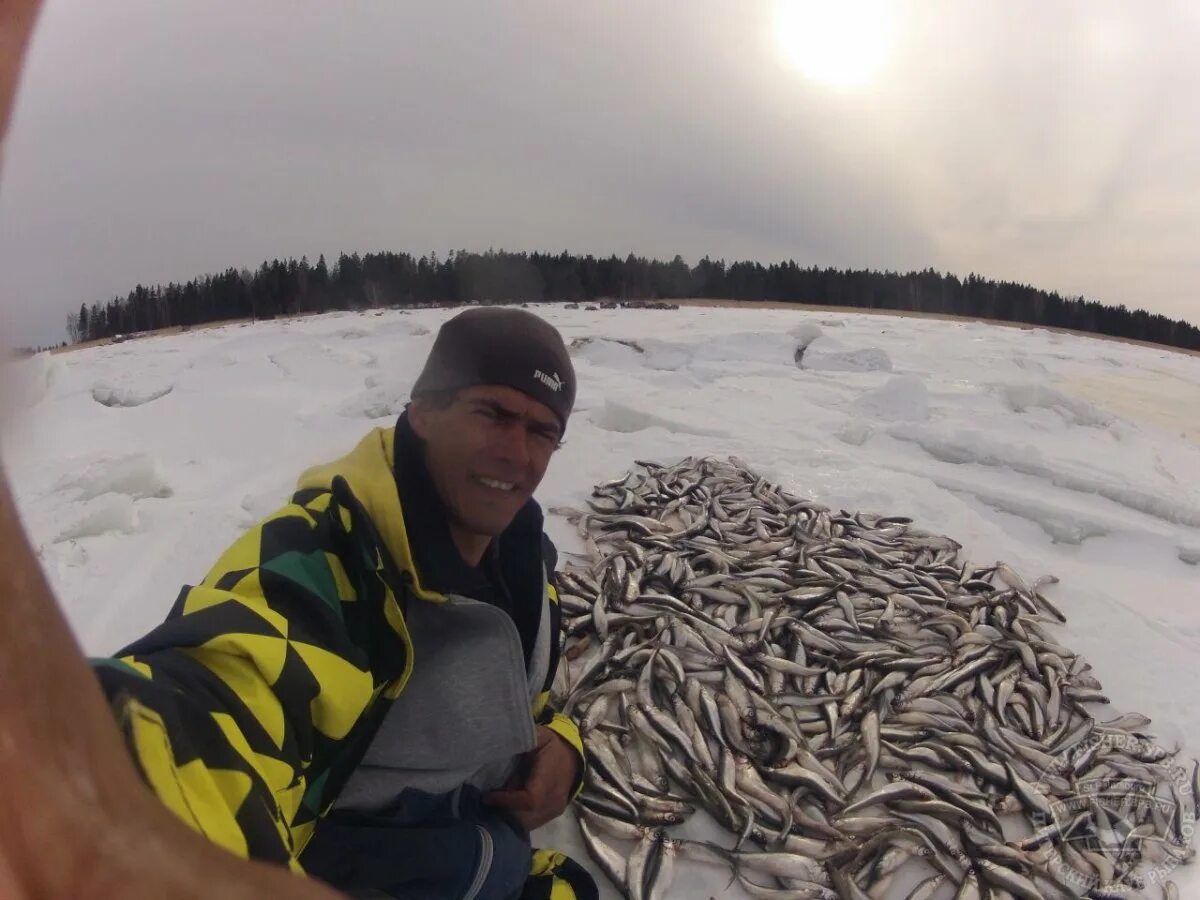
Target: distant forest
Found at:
288, 287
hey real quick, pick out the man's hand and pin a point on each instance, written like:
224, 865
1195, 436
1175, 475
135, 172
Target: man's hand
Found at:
553, 768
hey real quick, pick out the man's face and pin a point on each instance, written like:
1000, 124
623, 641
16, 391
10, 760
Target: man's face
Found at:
486, 452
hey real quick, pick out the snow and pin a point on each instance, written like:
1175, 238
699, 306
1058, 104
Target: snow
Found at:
1059, 454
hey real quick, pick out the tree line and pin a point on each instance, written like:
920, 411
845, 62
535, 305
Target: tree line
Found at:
373, 280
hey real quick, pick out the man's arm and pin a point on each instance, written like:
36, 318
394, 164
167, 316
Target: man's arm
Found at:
236, 705
16, 26
557, 762
78, 821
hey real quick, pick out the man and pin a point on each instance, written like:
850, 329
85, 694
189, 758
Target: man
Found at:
359, 687
76, 817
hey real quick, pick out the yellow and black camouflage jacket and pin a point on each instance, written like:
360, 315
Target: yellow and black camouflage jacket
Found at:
251, 707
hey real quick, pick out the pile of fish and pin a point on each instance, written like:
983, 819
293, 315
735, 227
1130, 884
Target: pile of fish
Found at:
865, 714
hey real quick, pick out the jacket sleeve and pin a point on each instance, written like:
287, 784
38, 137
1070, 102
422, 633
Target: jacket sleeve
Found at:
233, 702
545, 714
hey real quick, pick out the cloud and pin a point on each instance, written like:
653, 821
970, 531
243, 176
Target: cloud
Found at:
1050, 143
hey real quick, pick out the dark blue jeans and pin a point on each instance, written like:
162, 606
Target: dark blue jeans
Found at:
458, 849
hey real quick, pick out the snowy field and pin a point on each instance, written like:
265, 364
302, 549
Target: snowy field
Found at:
136, 464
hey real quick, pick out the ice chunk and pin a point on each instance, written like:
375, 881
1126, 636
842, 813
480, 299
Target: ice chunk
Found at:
318, 363
966, 446
615, 416
902, 397
1021, 397
384, 397
263, 502
106, 514
219, 359
748, 346
1030, 365
1062, 523
384, 404
378, 404
805, 333
611, 353
27, 380
107, 394
135, 475
753, 347
1062, 526
667, 356
854, 432
1190, 555
826, 354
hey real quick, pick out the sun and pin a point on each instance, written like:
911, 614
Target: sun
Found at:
838, 43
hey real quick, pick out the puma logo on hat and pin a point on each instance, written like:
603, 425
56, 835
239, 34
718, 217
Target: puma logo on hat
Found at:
551, 381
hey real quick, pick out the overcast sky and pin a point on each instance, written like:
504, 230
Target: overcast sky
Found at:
1054, 143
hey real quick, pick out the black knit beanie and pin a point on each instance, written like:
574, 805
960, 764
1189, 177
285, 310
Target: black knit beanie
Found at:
497, 345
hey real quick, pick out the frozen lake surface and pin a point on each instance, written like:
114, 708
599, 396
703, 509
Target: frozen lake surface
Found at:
136, 464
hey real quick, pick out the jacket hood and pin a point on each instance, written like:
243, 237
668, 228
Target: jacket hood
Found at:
368, 471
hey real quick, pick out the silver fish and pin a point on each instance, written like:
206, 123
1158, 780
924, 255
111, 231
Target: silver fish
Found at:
720, 616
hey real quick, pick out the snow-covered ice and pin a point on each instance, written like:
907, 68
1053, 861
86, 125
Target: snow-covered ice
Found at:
136, 464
